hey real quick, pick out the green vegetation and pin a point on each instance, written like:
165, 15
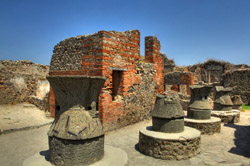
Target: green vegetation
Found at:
245, 107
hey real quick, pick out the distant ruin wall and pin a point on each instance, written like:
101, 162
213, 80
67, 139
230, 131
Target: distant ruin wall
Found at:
210, 71
239, 80
179, 82
23, 81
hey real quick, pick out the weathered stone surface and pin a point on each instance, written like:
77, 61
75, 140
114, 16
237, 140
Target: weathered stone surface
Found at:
139, 101
76, 152
227, 116
170, 146
19, 81
75, 91
76, 124
209, 126
178, 78
199, 107
237, 101
216, 72
168, 125
167, 106
198, 114
169, 64
239, 80
76, 136
210, 71
113, 156
199, 97
168, 114
223, 100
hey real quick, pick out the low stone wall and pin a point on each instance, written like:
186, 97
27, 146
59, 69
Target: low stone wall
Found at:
20, 81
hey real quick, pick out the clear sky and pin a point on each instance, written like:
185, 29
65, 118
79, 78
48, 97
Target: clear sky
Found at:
190, 31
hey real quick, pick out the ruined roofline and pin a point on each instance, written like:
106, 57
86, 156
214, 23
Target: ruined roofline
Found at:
123, 33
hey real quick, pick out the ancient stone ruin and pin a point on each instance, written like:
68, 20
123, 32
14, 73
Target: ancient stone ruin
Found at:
24, 81
168, 138
218, 73
76, 135
131, 84
199, 111
223, 106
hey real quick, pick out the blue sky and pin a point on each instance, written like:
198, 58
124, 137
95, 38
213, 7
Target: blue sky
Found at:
190, 31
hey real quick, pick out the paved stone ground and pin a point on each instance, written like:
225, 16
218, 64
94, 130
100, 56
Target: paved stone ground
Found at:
228, 148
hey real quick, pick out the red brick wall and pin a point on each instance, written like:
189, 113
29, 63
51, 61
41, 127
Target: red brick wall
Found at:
122, 51
152, 55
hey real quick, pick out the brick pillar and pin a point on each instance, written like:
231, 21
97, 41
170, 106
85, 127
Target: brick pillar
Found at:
152, 49
152, 55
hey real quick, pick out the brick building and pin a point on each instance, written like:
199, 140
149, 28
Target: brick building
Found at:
131, 85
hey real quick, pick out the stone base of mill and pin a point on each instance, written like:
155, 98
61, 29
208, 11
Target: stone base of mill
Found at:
112, 156
208, 126
170, 146
227, 116
76, 152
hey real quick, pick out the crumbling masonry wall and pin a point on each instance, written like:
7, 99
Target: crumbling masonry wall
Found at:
152, 55
239, 80
24, 81
130, 87
179, 82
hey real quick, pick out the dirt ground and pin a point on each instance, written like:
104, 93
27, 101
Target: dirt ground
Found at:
230, 147
21, 116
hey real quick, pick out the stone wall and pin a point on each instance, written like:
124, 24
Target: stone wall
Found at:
239, 80
23, 81
169, 64
131, 84
179, 82
210, 71
139, 101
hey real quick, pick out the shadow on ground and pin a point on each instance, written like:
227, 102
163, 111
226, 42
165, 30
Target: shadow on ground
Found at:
45, 153
241, 141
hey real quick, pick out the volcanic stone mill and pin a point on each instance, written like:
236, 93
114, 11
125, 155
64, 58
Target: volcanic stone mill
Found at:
76, 135
168, 138
199, 111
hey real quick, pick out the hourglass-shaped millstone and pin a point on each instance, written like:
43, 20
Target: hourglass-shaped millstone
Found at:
222, 100
199, 107
167, 115
76, 136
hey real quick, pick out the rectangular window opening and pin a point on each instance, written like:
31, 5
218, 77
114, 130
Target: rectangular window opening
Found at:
116, 82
